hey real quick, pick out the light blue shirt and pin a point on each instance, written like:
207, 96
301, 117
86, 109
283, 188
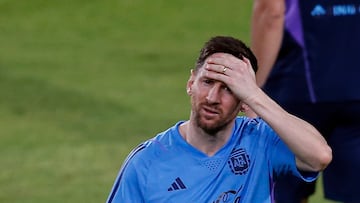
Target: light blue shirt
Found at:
168, 169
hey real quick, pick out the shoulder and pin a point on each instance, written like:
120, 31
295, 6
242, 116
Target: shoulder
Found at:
257, 124
154, 148
255, 128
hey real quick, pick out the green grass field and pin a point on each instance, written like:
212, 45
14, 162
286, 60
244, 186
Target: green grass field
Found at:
84, 81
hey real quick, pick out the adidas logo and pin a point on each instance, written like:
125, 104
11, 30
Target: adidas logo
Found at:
318, 10
177, 185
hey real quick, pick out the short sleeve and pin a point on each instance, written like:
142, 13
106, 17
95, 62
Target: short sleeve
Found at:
127, 188
284, 162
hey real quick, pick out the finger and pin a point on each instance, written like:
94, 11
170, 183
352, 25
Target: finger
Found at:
247, 62
217, 68
216, 76
249, 66
222, 59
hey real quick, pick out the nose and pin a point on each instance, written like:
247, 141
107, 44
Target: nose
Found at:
213, 95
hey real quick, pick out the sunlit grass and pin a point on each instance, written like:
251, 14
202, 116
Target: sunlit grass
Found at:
84, 81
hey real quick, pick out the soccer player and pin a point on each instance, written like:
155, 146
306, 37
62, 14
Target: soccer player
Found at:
308, 54
217, 156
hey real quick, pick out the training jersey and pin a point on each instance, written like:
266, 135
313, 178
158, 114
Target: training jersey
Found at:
319, 56
168, 169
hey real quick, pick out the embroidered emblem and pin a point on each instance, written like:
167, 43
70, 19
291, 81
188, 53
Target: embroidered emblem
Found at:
239, 161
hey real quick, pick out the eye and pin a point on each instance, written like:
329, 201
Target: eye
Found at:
226, 88
208, 81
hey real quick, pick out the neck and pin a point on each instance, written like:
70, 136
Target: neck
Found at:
209, 144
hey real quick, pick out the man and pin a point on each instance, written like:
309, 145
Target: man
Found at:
308, 53
217, 156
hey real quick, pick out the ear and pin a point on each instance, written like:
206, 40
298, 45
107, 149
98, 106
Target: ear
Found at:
247, 110
188, 91
243, 107
190, 82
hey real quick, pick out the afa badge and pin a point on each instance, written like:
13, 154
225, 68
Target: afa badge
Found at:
239, 161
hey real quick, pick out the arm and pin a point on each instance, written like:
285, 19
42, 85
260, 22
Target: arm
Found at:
310, 148
267, 26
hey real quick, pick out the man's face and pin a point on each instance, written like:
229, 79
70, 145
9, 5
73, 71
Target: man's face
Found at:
213, 104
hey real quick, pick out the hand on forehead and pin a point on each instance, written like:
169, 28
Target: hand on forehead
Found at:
224, 59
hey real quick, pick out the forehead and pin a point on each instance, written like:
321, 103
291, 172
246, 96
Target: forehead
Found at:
200, 74
200, 71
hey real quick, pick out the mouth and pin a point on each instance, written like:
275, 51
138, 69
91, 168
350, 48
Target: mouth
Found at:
208, 111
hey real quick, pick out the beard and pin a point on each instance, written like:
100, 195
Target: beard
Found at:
213, 127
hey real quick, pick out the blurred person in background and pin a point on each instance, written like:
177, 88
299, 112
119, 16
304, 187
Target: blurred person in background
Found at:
309, 62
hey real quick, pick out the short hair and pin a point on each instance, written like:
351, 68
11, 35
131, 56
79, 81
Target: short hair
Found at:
226, 44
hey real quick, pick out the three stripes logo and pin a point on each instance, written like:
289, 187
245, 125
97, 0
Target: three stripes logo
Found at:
177, 185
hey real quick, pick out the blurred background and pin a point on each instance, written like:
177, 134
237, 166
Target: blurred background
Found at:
82, 82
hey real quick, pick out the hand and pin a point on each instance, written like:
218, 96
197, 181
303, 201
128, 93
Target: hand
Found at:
237, 74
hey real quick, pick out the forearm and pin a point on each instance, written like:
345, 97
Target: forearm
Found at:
266, 34
308, 145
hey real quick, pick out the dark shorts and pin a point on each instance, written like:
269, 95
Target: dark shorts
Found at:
339, 123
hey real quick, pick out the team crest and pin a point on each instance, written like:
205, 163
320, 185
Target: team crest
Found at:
239, 161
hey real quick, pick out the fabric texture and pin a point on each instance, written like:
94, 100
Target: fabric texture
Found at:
168, 169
